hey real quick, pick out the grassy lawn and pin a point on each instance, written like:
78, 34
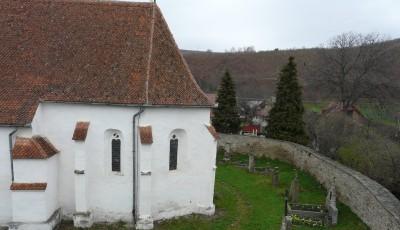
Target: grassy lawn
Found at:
249, 202
384, 115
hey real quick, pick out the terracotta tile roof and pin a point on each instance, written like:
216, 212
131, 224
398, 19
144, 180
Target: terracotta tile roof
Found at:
28, 186
36, 147
212, 98
88, 52
213, 132
80, 132
146, 135
251, 129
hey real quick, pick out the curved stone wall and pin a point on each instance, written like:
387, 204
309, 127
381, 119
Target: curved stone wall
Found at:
373, 203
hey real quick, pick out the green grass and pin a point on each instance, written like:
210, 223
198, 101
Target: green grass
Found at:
372, 111
315, 107
248, 201
384, 115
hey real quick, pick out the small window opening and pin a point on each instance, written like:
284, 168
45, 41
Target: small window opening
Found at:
116, 153
173, 153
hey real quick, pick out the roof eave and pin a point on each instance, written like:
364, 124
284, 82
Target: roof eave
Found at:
128, 105
27, 125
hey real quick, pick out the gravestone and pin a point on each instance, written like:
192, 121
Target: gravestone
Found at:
251, 163
330, 204
294, 190
286, 223
275, 177
227, 152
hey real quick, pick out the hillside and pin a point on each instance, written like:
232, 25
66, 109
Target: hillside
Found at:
255, 73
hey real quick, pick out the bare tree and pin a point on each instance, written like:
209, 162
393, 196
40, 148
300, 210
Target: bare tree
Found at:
354, 66
249, 111
311, 120
332, 132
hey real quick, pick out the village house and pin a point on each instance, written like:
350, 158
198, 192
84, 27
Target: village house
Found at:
255, 114
100, 117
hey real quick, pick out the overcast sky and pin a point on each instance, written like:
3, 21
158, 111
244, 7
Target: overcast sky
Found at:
267, 24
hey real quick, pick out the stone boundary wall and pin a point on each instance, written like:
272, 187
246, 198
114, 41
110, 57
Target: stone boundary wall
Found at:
373, 203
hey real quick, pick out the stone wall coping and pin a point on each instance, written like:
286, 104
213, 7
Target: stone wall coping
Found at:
382, 195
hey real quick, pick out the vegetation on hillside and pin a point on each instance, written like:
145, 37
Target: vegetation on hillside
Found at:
383, 113
256, 73
373, 154
372, 148
285, 120
355, 66
226, 116
359, 71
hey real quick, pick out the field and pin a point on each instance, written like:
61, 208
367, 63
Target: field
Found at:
384, 115
374, 112
249, 202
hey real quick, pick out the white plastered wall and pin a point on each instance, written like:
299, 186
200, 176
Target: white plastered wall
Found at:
35, 206
109, 194
5, 166
190, 188
5, 176
163, 194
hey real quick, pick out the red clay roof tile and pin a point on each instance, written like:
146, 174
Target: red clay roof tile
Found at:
146, 135
36, 147
28, 186
213, 132
81, 130
88, 52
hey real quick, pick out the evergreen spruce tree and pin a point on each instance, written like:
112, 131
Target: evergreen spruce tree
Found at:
285, 121
226, 117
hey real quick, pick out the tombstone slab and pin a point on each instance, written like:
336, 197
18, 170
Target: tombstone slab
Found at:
275, 177
294, 190
251, 163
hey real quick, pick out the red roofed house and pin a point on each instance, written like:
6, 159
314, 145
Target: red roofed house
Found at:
353, 112
100, 117
251, 129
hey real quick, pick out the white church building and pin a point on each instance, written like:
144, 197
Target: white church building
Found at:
100, 117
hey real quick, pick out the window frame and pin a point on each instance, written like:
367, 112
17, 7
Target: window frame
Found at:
110, 135
173, 153
116, 153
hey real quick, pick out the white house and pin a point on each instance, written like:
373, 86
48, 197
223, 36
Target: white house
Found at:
100, 117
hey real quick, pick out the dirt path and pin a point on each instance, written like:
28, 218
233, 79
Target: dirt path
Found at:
243, 207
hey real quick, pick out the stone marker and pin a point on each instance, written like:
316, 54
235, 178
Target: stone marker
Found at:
294, 190
227, 156
330, 204
286, 201
251, 163
275, 177
227, 152
286, 223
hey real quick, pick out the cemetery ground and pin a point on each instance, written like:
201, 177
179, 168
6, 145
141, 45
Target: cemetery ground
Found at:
248, 201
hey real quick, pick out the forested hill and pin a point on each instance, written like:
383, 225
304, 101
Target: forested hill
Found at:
255, 73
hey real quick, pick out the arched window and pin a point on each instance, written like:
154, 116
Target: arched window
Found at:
173, 153
116, 153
